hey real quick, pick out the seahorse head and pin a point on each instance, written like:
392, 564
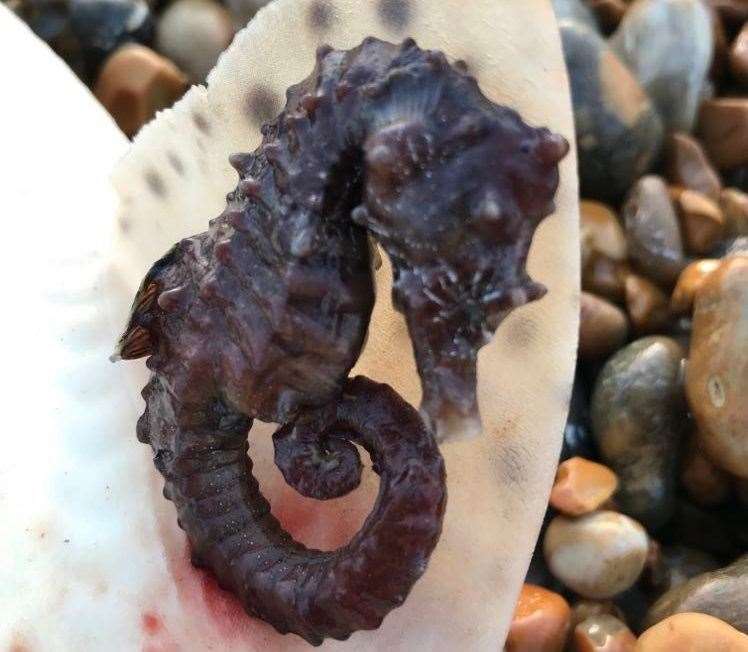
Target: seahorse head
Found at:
454, 191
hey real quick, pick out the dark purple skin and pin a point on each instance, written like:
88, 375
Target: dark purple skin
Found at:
264, 315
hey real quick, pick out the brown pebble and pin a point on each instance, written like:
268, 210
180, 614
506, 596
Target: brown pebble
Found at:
605, 277
585, 609
582, 486
689, 167
603, 327
647, 305
717, 369
723, 127
603, 633
608, 12
689, 282
706, 484
652, 231
702, 221
135, 83
692, 632
540, 622
601, 231
734, 205
739, 57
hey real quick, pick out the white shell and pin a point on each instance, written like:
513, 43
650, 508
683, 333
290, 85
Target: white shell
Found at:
90, 556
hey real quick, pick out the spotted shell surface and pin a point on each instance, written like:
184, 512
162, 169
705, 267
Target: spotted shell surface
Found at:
92, 542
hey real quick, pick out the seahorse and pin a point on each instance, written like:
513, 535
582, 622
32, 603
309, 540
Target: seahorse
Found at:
264, 315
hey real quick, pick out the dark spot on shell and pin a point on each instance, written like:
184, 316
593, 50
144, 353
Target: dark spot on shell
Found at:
155, 183
395, 14
201, 122
176, 163
321, 15
521, 332
262, 105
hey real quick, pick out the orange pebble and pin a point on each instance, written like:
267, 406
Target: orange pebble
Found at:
582, 486
540, 623
692, 632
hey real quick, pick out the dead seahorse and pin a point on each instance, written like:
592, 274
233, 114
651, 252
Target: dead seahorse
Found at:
264, 315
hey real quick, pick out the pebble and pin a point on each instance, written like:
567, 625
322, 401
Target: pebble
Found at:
605, 277
582, 486
652, 230
734, 205
193, 33
689, 282
575, 11
706, 484
702, 221
720, 593
101, 26
733, 12
723, 128
647, 305
692, 632
717, 369
710, 530
585, 609
739, 57
609, 13
601, 231
244, 10
603, 633
578, 440
651, 39
683, 563
619, 133
638, 415
134, 83
598, 555
688, 166
603, 327
540, 622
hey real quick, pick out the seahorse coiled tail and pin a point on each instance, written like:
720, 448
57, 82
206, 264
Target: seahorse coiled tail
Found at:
264, 315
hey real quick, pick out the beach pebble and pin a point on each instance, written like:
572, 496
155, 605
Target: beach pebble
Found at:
605, 277
721, 593
603, 633
603, 327
708, 529
582, 486
101, 26
692, 632
739, 57
689, 282
638, 414
598, 555
647, 305
706, 484
193, 33
668, 45
702, 221
601, 231
609, 13
683, 563
540, 622
577, 435
134, 83
584, 609
717, 369
654, 239
688, 166
734, 204
618, 130
723, 128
